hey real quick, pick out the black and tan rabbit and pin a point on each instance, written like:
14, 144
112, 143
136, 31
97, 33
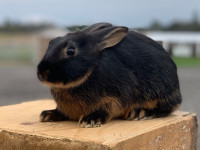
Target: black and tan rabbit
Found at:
105, 72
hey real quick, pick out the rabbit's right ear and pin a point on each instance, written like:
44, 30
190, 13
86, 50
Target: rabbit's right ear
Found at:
96, 27
109, 37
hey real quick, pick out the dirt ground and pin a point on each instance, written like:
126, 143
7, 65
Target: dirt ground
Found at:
18, 84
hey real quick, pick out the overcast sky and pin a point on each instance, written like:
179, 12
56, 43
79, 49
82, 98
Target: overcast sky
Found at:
132, 13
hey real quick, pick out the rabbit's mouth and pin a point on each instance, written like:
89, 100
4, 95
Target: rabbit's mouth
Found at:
53, 84
43, 77
70, 84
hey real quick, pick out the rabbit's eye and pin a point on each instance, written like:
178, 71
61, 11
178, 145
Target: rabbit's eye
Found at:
70, 51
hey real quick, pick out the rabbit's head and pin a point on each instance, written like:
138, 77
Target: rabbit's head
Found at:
69, 60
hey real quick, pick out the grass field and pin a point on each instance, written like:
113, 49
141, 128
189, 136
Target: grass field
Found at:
187, 62
17, 53
16, 48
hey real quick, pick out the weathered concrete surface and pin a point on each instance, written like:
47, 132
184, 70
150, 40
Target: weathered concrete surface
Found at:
21, 130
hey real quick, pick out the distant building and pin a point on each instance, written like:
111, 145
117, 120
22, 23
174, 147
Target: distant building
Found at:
52, 32
45, 35
183, 44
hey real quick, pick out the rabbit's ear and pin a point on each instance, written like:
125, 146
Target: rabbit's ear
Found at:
110, 36
96, 27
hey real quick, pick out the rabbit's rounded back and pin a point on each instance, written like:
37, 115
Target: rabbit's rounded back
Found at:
145, 71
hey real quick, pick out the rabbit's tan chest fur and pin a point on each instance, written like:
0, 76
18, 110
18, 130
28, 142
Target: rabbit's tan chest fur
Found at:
71, 106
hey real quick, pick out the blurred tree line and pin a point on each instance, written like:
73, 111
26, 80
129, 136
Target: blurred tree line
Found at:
14, 26
76, 28
192, 25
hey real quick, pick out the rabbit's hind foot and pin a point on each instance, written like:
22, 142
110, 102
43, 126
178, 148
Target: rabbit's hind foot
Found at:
139, 114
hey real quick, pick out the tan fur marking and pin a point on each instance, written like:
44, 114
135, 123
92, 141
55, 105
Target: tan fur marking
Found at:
109, 104
98, 124
79, 121
150, 104
132, 115
142, 114
115, 109
126, 114
127, 111
47, 118
64, 51
71, 106
92, 123
71, 84
83, 125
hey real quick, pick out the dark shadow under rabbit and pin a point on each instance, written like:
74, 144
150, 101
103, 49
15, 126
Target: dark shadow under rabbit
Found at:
105, 72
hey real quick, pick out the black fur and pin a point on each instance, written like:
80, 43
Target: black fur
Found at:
52, 115
137, 70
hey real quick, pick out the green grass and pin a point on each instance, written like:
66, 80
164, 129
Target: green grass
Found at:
20, 53
186, 62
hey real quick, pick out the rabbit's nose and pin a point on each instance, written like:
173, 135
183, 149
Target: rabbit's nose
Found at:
43, 76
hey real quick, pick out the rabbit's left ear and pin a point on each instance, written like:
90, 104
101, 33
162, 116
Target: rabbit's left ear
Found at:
96, 27
110, 36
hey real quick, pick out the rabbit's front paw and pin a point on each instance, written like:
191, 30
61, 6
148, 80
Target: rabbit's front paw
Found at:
51, 115
90, 121
94, 119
